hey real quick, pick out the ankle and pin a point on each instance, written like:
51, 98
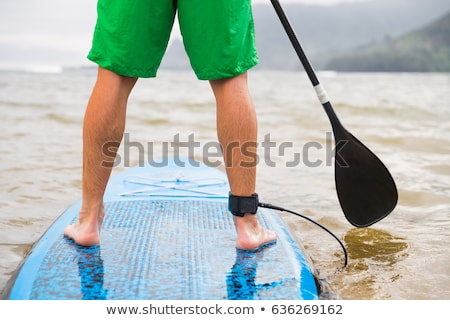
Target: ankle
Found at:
247, 223
91, 215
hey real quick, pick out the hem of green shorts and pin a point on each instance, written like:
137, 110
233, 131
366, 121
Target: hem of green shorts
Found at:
217, 74
119, 69
213, 74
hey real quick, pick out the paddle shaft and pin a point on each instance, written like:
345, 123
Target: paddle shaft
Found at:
298, 48
320, 91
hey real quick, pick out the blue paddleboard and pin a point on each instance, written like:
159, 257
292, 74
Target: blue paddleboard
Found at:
167, 234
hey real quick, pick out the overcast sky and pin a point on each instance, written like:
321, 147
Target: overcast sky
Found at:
58, 32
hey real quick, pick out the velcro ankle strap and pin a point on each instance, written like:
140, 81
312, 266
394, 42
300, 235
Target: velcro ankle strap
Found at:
240, 205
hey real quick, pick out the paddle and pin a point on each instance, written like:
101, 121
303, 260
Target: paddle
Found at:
365, 188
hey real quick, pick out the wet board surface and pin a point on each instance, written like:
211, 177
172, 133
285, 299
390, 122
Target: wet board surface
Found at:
167, 234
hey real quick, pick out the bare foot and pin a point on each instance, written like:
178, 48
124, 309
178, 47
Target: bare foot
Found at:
86, 231
250, 234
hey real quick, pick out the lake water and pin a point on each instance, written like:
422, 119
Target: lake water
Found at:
403, 118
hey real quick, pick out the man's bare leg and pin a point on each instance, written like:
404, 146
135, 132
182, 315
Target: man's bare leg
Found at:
104, 122
237, 132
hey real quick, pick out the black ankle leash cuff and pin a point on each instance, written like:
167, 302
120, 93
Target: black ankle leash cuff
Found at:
239, 206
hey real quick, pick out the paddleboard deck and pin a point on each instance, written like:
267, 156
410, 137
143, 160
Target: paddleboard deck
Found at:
167, 234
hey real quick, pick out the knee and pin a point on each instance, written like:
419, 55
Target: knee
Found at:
238, 82
115, 80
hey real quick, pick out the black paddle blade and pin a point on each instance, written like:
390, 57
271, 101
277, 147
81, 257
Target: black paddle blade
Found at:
365, 188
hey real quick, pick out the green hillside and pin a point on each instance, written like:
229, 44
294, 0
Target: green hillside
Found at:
423, 50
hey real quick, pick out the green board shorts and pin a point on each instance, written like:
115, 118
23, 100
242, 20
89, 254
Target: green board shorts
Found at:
131, 36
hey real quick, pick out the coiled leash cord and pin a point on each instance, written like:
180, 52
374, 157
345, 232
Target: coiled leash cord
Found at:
270, 206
